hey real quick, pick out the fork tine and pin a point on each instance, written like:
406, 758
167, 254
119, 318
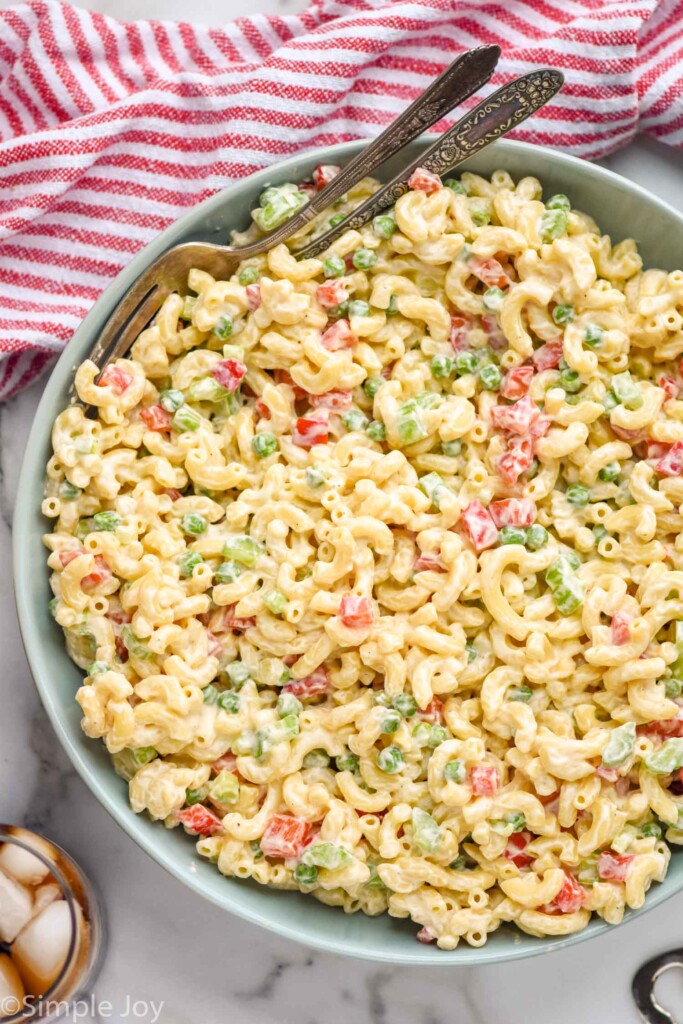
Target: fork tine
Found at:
122, 313
138, 320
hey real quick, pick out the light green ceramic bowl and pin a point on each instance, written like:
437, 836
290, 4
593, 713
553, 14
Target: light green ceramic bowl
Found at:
621, 209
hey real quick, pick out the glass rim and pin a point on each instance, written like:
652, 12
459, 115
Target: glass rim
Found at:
6, 836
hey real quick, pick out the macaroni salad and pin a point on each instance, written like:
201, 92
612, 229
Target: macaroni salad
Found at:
374, 562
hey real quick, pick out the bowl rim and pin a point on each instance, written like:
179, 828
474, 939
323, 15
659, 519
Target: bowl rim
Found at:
428, 956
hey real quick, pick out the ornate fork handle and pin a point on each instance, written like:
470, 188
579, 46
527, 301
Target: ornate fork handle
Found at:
488, 121
461, 79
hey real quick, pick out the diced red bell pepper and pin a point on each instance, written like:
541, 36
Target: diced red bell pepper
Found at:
670, 387
155, 417
253, 297
231, 621
311, 686
491, 272
68, 556
285, 836
479, 526
262, 409
173, 494
663, 727
310, 431
338, 335
516, 460
491, 325
332, 293
517, 418
284, 377
548, 356
323, 175
460, 332
613, 867
100, 574
513, 512
336, 401
229, 373
515, 849
516, 382
428, 560
621, 629
356, 612
226, 763
433, 712
654, 449
672, 463
115, 378
426, 936
569, 899
199, 820
484, 780
422, 180
215, 644
540, 427
608, 774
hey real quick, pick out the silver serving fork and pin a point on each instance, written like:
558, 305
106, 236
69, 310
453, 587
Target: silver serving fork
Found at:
168, 273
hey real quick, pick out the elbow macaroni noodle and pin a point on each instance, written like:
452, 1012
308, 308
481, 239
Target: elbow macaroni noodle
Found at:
373, 563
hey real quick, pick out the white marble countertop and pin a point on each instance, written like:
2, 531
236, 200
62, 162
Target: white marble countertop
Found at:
168, 944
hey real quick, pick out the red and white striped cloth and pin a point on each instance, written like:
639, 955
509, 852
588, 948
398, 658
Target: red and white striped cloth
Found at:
110, 131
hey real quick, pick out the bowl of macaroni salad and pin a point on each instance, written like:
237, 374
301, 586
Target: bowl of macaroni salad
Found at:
360, 577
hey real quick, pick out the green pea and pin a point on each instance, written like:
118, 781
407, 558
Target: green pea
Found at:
195, 796
106, 521
68, 491
558, 202
390, 760
347, 763
437, 735
229, 701
187, 562
651, 829
536, 537
210, 694
248, 275
144, 755
522, 693
193, 524
512, 535
171, 400
227, 572
455, 771
391, 720
334, 266
318, 758
264, 444
608, 474
451, 448
223, 328
376, 430
306, 874
359, 307
405, 704
466, 362
593, 335
442, 366
354, 419
238, 673
336, 219
314, 477
577, 495
493, 299
570, 380
553, 224
491, 377
364, 259
384, 226
372, 385
563, 314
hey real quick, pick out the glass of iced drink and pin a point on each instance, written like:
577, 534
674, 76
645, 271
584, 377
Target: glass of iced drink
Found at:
51, 928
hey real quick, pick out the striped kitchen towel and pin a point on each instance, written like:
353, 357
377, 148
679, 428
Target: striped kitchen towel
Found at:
110, 131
